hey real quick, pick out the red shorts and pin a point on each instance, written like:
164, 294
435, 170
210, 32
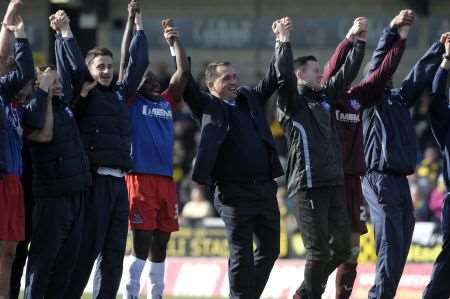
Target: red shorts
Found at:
153, 203
355, 205
12, 211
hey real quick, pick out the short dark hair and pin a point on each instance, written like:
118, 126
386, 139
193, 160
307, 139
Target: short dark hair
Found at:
40, 69
95, 52
301, 61
211, 73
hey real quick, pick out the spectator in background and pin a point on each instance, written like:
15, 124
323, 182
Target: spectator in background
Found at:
436, 200
430, 167
427, 175
198, 206
421, 123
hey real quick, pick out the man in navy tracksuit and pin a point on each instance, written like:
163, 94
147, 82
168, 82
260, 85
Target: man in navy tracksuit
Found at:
439, 286
347, 115
102, 116
390, 154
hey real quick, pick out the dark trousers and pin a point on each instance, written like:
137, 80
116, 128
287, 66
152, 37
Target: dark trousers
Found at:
104, 238
250, 213
392, 215
439, 286
22, 248
323, 222
57, 228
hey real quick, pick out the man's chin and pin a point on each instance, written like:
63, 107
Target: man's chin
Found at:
105, 83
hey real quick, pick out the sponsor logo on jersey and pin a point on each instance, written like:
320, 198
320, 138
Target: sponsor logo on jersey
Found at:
156, 112
347, 117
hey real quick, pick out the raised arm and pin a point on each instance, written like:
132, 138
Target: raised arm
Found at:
15, 80
40, 121
388, 37
357, 31
138, 62
439, 106
69, 59
284, 68
133, 7
420, 77
370, 91
196, 99
267, 86
181, 76
6, 35
344, 77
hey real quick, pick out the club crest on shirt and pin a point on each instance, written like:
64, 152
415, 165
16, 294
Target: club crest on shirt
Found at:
137, 219
355, 104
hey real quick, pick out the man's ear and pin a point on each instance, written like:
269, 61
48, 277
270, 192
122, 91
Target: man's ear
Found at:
210, 85
299, 74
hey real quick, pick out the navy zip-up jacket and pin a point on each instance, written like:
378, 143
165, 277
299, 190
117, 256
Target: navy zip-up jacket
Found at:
103, 114
214, 117
389, 137
440, 119
10, 84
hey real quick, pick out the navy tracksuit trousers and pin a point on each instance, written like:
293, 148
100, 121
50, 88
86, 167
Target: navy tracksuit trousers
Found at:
439, 286
392, 215
104, 237
55, 243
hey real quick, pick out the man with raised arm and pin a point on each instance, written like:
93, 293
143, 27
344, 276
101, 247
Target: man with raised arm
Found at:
391, 155
61, 178
102, 114
347, 114
14, 75
237, 155
151, 189
315, 172
439, 288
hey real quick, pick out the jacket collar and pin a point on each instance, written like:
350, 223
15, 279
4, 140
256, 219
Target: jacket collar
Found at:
309, 93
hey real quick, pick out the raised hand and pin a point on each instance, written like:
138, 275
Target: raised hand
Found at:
133, 8
405, 17
87, 87
62, 20
167, 23
359, 28
170, 32
11, 11
18, 28
282, 29
51, 20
